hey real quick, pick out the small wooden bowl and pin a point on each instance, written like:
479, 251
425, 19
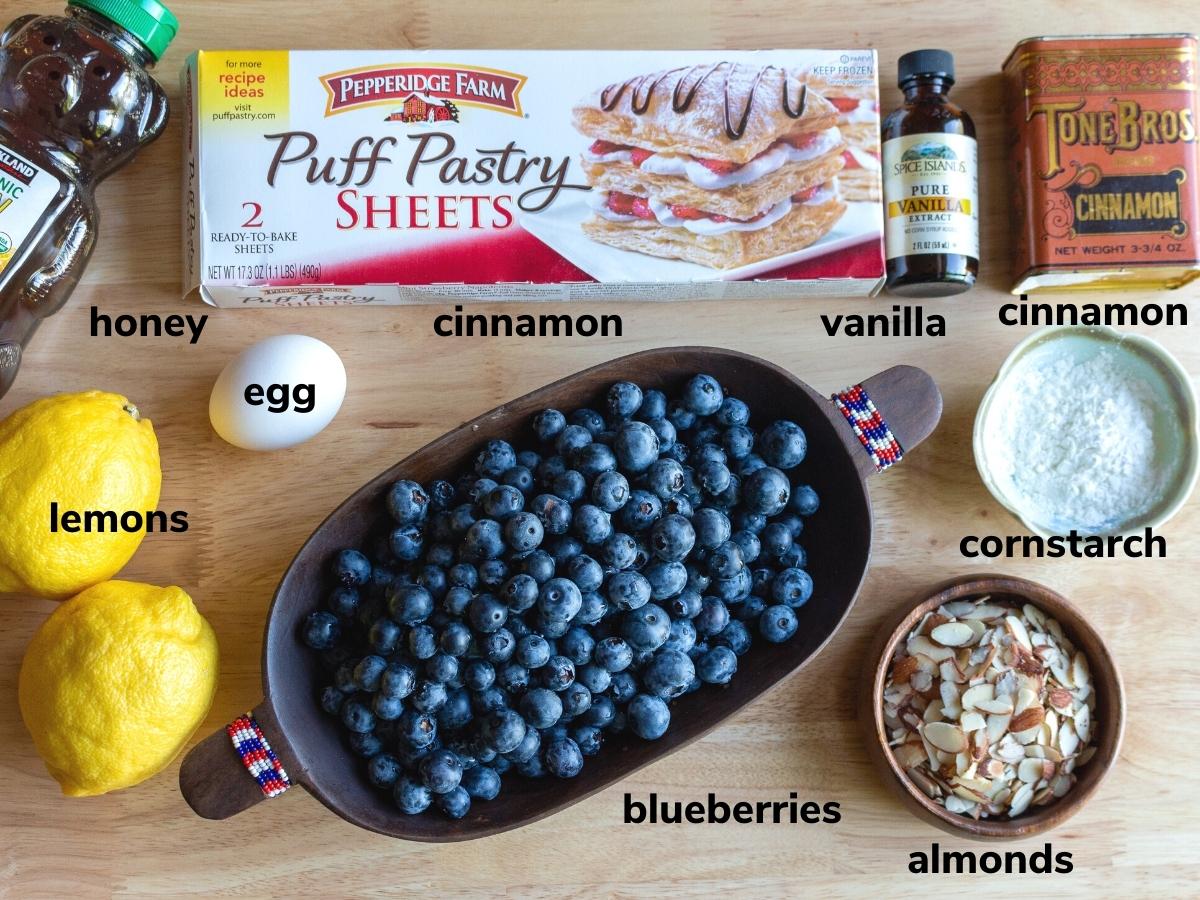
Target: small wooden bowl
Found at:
1109, 713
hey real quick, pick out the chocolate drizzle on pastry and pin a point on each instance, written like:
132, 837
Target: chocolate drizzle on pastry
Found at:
641, 89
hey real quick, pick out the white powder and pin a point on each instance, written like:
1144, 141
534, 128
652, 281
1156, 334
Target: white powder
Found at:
1074, 443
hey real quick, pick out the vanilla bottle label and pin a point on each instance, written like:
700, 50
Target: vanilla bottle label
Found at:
931, 195
26, 192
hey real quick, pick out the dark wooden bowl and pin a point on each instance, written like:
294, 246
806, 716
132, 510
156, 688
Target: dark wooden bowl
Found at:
1109, 714
309, 743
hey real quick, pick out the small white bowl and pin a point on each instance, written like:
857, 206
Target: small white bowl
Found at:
1142, 358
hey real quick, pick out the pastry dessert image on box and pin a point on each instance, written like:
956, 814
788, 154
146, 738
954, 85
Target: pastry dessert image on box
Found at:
721, 164
858, 121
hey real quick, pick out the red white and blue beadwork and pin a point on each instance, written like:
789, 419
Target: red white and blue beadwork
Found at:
257, 756
872, 431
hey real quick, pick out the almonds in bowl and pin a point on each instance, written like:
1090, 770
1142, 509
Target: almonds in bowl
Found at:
985, 708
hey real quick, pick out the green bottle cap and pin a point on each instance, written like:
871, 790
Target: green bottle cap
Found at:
147, 20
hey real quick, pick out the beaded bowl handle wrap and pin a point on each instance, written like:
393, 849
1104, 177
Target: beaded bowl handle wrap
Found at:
869, 426
257, 756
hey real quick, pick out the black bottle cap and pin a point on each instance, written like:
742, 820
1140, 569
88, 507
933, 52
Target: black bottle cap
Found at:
925, 62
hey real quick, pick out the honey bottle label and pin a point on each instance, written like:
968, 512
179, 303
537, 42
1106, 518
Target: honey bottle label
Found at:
931, 195
26, 192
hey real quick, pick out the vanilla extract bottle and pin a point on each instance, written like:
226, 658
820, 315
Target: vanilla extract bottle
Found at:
930, 183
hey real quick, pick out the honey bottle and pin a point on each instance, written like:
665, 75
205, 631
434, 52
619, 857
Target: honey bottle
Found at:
930, 183
76, 103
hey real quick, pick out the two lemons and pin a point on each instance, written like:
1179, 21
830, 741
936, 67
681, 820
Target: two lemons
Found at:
119, 676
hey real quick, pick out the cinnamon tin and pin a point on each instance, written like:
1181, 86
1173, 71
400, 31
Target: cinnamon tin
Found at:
1105, 160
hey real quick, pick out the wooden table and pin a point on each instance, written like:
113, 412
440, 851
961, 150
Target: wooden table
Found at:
248, 514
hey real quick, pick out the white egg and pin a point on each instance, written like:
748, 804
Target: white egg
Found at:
278, 393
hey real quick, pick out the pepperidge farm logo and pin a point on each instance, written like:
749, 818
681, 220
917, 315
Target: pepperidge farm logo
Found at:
423, 93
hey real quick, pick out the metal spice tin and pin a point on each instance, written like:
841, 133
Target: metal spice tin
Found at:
1105, 161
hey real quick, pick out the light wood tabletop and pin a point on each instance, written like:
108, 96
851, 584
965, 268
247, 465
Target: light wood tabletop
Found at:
249, 514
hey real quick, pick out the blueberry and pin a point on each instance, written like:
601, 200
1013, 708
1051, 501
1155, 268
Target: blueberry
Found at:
569, 486
702, 395
462, 518
520, 592
548, 424
496, 458
726, 560
549, 469
441, 495
577, 700
537, 564
623, 399
483, 540
805, 500
672, 538
589, 419
563, 759
409, 603
644, 629
636, 446
686, 605
504, 730
498, 646
585, 572
351, 568
487, 613
731, 496
766, 491
681, 418
714, 476
368, 672
553, 511
594, 609
683, 636
513, 679
748, 543
481, 783
411, 796
666, 579
519, 477
463, 575
712, 618
503, 501
343, 678
408, 502
532, 651
776, 539
712, 527
384, 770
619, 551
642, 510
357, 717
559, 673
364, 743
441, 771
592, 676
738, 442
321, 630
591, 524
667, 437
478, 674
793, 522
735, 636
559, 599
610, 490
735, 589
750, 609
455, 803
717, 666
541, 707
406, 542
621, 689
750, 464
563, 549
588, 738
792, 587
429, 697
528, 747
455, 712
613, 654
594, 460
783, 444
649, 716
577, 645
732, 412
698, 579
441, 667
343, 601
777, 623
572, 438
332, 699
668, 674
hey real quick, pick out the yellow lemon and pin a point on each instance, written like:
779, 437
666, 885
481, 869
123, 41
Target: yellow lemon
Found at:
89, 452
115, 682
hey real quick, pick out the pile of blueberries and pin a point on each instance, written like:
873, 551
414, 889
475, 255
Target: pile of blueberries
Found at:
512, 619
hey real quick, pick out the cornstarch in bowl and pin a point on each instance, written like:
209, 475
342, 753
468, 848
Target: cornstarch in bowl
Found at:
1088, 430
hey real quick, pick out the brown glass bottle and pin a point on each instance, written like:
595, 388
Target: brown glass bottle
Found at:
76, 102
930, 183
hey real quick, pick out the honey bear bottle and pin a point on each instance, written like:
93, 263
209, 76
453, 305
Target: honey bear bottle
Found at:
76, 103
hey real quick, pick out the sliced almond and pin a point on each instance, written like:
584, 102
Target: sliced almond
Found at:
946, 737
952, 634
1060, 699
1031, 717
972, 721
926, 647
995, 707
997, 725
1029, 770
1020, 800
